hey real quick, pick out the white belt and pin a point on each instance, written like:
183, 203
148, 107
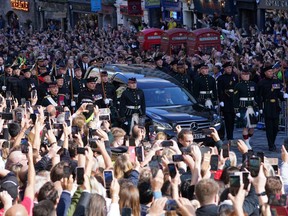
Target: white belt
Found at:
246, 98
230, 90
206, 92
133, 107
75, 95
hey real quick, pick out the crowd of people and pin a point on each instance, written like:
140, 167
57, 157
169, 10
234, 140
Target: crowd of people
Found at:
60, 155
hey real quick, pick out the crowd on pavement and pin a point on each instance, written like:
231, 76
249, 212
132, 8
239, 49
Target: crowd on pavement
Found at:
60, 155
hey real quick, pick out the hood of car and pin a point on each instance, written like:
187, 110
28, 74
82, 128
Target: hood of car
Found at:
176, 113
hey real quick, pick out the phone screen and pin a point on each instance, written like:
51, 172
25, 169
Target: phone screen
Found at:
27, 104
166, 143
75, 130
234, 181
67, 118
177, 158
225, 148
254, 166
207, 131
80, 175
108, 178
132, 142
80, 150
246, 181
214, 162
140, 153
172, 170
261, 156
170, 205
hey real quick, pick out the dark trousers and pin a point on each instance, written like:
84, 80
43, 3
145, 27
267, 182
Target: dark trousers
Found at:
271, 125
229, 118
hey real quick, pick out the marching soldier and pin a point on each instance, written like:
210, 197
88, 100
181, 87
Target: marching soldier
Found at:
63, 90
245, 105
43, 88
205, 87
90, 92
132, 105
225, 86
182, 76
78, 84
27, 84
3, 78
53, 98
269, 94
13, 82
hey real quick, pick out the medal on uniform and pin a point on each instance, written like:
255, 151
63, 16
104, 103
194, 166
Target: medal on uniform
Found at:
252, 88
138, 97
276, 86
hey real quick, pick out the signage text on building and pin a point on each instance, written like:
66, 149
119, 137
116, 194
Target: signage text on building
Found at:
20, 5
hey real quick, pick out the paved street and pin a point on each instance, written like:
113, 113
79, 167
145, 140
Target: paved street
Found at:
259, 143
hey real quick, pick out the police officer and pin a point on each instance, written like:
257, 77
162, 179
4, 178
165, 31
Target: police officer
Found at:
245, 105
91, 92
205, 87
225, 85
132, 105
27, 84
78, 83
269, 95
43, 88
53, 98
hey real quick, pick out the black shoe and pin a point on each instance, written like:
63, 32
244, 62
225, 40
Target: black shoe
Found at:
273, 149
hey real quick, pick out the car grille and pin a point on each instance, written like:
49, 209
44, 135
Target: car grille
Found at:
195, 125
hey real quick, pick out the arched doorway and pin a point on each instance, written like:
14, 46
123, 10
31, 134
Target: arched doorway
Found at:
12, 20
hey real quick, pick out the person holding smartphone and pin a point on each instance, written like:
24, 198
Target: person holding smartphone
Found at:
245, 105
27, 84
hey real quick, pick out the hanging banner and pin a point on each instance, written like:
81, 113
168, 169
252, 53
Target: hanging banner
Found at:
96, 5
134, 7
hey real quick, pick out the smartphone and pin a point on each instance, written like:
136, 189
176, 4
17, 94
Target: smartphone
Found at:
214, 162
250, 153
19, 116
235, 182
233, 142
132, 142
186, 150
8, 105
206, 131
172, 170
104, 117
27, 104
8, 94
154, 165
166, 143
139, 153
80, 175
67, 118
126, 211
33, 93
254, 165
23, 101
108, 178
226, 150
93, 143
275, 168
245, 179
66, 172
261, 156
170, 205
24, 146
81, 150
177, 158
58, 126
47, 124
90, 107
75, 130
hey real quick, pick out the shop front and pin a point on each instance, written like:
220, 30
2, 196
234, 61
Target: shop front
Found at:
174, 40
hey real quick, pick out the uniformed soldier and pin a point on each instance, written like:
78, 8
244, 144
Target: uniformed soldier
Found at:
62, 70
182, 76
225, 85
204, 88
91, 92
159, 64
132, 105
269, 91
27, 84
53, 98
3, 78
78, 83
63, 90
245, 105
43, 88
13, 82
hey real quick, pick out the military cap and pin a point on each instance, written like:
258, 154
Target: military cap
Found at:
45, 74
7, 65
59, 77
15, 67
227, 64
104, 73
100, 59
203, 65
156, 58
40, 59
174, 62
25, 70
267, 68
93, 60
61, 65
132, 80
91, 79
53, 85
148, 60
129, 58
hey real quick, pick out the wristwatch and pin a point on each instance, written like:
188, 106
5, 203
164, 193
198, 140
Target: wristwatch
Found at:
261, 194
